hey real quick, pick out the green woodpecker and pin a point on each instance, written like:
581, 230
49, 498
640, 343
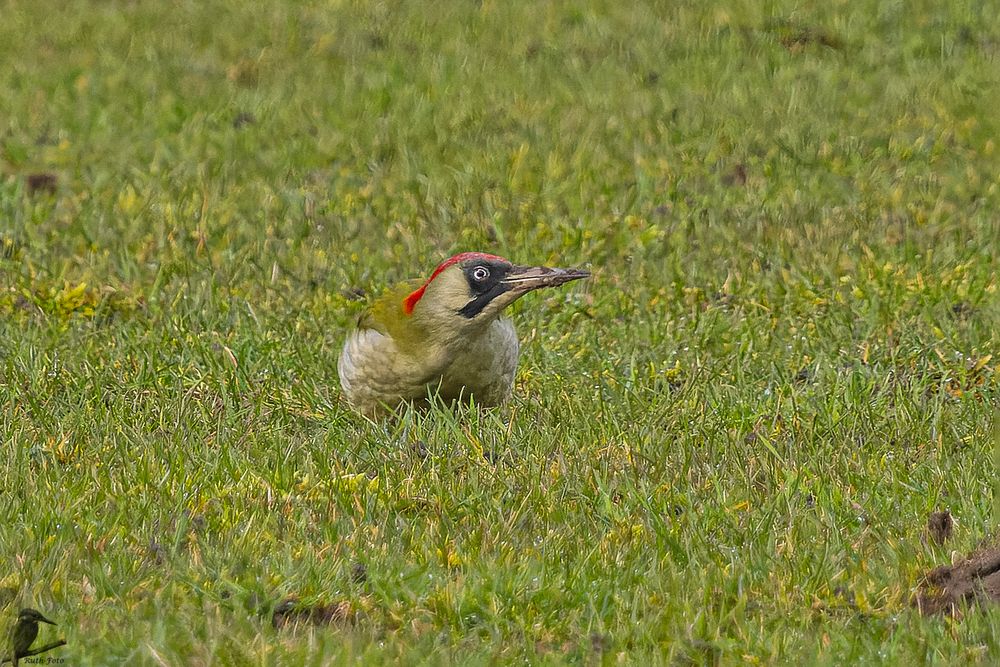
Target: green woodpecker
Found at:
442, 336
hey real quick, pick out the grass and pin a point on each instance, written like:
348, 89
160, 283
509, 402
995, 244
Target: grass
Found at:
723, 448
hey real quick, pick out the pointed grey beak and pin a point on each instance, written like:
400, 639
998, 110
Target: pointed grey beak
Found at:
526, 278
45, 620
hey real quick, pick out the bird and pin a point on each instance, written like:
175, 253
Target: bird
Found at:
24, 632
442, 336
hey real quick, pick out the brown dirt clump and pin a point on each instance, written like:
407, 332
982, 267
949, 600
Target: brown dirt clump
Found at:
292, 611
42, 183
940, 526
950, 587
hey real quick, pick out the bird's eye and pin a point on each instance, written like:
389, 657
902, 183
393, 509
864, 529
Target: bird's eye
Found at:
480, 273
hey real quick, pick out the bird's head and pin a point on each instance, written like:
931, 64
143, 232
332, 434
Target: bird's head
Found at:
32, 615
470, 290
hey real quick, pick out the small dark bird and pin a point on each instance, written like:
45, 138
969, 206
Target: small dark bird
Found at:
23, 634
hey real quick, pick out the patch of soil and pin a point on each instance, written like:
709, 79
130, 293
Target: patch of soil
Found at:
359, 573
292, 611
42, 183
940, 526
243, 118
950, 587
796, 37
736, 176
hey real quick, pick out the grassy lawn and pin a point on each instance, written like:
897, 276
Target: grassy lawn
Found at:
723, 448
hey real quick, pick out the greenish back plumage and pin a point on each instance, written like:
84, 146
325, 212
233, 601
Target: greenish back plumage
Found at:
388, 317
